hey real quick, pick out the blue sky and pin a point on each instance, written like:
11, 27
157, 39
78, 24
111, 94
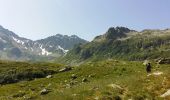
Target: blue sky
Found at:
35, 19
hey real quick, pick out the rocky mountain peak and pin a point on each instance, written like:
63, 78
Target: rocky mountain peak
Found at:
116, 32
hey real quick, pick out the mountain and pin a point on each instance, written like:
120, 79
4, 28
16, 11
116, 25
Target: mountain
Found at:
123, 43
62, 43
13, 47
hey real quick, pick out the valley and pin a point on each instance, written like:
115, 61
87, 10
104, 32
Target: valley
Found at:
110, 67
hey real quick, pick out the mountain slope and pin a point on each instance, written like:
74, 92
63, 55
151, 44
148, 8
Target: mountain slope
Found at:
13, 47
61, 42
123, 43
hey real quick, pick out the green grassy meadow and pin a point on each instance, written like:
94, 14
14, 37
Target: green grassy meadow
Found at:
103, 80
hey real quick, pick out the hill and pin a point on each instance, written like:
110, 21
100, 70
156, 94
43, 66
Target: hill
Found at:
123, 43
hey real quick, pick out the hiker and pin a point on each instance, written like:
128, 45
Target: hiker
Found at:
148, 67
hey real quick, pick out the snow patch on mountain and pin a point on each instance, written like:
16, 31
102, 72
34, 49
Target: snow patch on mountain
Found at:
65, 51
44, 51
18, 41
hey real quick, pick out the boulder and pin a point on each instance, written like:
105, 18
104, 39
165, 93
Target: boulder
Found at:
84, 80
49, 76
44, 91
73, 76
164, 61
92, 75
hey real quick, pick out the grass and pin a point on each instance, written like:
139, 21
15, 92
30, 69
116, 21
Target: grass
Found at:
101, 80
11, 72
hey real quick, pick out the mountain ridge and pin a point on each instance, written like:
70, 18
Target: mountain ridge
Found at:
123, 43
15, 47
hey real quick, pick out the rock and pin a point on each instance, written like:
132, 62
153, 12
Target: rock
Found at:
75, 94
115, 86
65, 69
72, 83
73, 76
166, 94
164, 61
65, 81
68, 86
157, 73
44, 91
91, 75
96, 98
84, 80
94, 88
49, 76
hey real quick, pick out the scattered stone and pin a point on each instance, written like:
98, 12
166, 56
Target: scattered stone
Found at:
149, 74
84, 80
72, 83
65, 81
73, 76
166, 94
49, 76
116, 61
65, 69
44, 91
94, 88
68, 86
91, 75
96, 98
75, 94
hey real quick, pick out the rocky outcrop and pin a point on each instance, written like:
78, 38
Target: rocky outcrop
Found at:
163, 61
65, 69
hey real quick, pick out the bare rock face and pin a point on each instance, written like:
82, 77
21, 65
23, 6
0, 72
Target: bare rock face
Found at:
117, 32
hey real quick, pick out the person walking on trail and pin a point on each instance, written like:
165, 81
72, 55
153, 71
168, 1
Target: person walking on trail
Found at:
148, 67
